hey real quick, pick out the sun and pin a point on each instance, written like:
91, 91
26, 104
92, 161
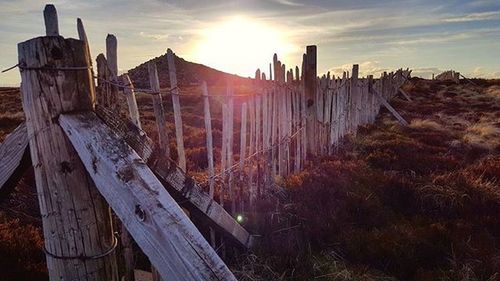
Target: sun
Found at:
240, 45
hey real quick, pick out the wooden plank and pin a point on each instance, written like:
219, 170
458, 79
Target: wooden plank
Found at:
51, 20
404, 94
131, 101
210, 151
177, 109
112, 63
76, 219
175, 180
251, 109
161, 123
243, 148
15, 158
159, 226
310, 73
389, 107
230, 138
208, 129
223, 158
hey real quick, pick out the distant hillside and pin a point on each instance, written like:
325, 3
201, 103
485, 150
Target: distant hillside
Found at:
187, 73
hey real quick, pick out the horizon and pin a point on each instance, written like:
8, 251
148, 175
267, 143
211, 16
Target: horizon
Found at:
427, 37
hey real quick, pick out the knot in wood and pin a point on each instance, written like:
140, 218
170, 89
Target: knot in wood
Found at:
140, 213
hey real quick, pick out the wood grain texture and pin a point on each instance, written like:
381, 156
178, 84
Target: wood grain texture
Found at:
15, 159
179, 136
159, 226
76, 219
131, 101
161, 123
389, 107
175, 179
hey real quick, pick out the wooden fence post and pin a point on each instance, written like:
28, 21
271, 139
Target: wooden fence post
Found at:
230, 138
243, 148
112, 63
161, 124
354, 118
131, 101
210, 151
78, 233
310, 72
177, 109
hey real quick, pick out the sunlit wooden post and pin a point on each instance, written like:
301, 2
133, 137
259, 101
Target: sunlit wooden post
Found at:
310, 73
251, 149
131, 101
243, 148
174, 90
210, 150
354, 98
78, 233
230, 146
112, 63
159, 112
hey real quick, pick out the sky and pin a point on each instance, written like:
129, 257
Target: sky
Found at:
240, 36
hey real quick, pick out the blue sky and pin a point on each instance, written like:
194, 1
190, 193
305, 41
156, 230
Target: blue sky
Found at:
427, 36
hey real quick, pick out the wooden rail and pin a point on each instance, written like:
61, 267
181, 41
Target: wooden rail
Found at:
15, 158
155, 221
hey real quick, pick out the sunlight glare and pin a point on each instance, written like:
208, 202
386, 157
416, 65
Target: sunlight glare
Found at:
240, 45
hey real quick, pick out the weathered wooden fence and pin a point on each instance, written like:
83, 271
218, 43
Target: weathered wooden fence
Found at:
86, 155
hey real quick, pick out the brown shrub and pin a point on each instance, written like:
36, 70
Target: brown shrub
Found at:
21, 255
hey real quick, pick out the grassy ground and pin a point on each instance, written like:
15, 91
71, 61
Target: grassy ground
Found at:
416, 203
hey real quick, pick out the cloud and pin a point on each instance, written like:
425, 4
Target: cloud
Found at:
289, 3
365, 68
157, 37
426, 72
481, 72
492, 15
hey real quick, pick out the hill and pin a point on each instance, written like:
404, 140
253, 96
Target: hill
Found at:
188, 73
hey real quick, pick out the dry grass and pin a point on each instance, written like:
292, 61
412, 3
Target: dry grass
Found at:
416, 203
485, 135
493, 91
425, 124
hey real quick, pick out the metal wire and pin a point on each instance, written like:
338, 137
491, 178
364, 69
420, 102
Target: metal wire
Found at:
82, 257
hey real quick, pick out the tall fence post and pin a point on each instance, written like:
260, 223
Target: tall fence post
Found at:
177, 109
161, 124
112, 63
310, 73
210, 151
131, 101
78, 233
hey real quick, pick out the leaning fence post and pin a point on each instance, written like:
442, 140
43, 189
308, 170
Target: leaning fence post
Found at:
77, 227
158, 109
177, 109
131, 101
